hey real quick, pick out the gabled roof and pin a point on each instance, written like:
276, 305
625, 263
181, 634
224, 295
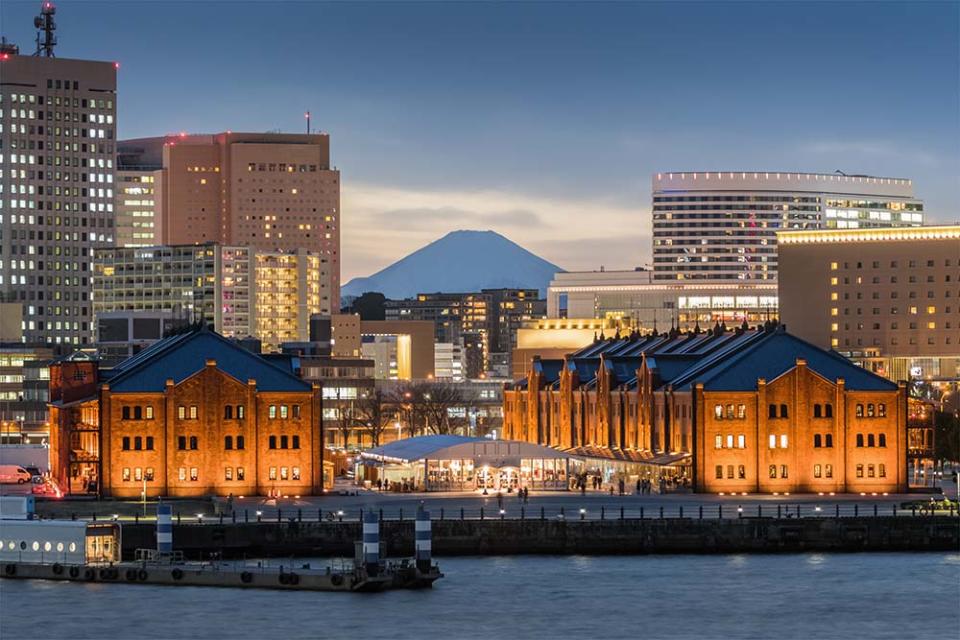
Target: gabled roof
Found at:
180, 356
775, 354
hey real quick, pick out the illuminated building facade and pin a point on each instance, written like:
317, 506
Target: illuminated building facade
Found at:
57, 166
722, 225
642, 302
267, 191
192, 415
483, 323
888, 299
746, 411
238, 291
138, 207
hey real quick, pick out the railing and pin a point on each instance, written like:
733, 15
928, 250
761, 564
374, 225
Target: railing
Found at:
709, 511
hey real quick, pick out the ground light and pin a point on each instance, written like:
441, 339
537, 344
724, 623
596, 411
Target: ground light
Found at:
116, 516
817, 508
199, 517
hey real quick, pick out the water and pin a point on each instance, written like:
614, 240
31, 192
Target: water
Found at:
735, 596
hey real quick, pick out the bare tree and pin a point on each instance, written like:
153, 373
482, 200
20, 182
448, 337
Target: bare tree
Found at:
375, 412
346, 420
437, 400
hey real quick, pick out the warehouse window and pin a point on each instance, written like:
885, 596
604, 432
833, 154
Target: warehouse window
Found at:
228, 442
240, 442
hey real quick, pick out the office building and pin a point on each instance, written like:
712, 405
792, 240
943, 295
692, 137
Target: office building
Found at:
267, 191
139, 207
193, 415
752, 410
238, 291
57, 168
721, 226
889, 299
647, 304
448, 361
488, 318
400, 349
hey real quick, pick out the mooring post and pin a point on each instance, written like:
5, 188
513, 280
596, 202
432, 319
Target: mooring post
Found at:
720, 511
371, 543
422, 540
681, 511
481, 513
164, 529
856, 510
701, 512
874, 510
661, 512
621, 512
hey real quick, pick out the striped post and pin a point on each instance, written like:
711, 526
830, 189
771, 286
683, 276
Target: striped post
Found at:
422, 540
371, 542
164, 528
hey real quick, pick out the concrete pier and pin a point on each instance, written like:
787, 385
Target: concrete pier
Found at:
573, 536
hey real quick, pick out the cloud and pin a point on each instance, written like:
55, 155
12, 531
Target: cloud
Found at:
427, 218
382, 224
863, 150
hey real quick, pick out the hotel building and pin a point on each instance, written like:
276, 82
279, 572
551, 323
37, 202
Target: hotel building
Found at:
722, 225
57, 167
267, 191
192, 415
238, 291
746, 411
889, 299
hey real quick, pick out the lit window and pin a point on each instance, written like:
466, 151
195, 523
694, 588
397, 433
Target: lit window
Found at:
183, 473
296, 473
194, 474
718, 411
284, 473
773, 442
783, 441
730, 441
773, 471
741, 441
283, 411
718, 441
817, 471
193, 412
719, 471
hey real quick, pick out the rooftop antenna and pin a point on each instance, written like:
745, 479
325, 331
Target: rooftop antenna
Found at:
44, 22
307, 116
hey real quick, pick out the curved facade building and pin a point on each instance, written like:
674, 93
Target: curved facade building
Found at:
722, 225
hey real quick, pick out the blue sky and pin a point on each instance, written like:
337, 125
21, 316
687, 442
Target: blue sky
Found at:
543, 121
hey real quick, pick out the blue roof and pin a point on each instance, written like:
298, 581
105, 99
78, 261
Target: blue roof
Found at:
419, 447
776, 354
179, 357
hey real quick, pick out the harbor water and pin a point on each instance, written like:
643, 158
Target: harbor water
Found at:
873, 596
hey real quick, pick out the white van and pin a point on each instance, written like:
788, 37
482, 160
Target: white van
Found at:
13, 473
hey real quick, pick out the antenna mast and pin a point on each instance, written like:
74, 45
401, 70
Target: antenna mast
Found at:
44, 22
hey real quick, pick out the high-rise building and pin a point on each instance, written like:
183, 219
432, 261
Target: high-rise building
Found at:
483, 322
722, 225
269, 191
138, 207
57, 164
239, 291
888, 299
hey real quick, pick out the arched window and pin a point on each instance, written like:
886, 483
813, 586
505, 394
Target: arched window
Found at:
829, 440
296, 442
730, 413
126, 443
181, 443
228, 412
883, 440
870, 411
228, 442
816, 411
239, 442
283, 442
149, 443
870, 440
718, 411
772, 411
149, 412
859, 439
828, 410
138, 413
193, 442
882, 410
859, 410
273, 442
125, 413
783, 411
138, 443
817, 439
239, 412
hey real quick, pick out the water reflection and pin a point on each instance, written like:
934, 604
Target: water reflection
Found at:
757, 596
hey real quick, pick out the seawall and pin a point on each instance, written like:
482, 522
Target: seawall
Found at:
591, 537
